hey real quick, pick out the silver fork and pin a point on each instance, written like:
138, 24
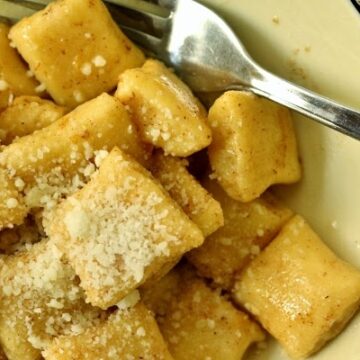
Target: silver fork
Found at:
209, 57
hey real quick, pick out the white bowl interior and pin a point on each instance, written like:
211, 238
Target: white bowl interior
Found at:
315, 44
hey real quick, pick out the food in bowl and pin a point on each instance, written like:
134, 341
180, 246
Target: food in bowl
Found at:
111, 247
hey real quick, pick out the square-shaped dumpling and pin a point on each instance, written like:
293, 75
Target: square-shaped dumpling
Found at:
120, 229
197, 322
299, 290
164, 108
248, 228
75, 49
25, 115
40, 299
253, 145
128, 334
196, 202
45, 166
14, 74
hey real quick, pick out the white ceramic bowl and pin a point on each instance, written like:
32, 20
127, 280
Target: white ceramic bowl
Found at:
315, 44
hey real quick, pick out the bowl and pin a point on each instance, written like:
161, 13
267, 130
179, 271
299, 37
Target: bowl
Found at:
315, 44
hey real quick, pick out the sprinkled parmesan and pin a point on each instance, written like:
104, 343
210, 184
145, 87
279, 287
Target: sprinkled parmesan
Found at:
117, 227
129, 301
11, 203
3, 85
260, 232
40, 88
99, 61
19, 183
140, 332
86, 69
47, 287
127, 335
155, 133
100, 156
78, 96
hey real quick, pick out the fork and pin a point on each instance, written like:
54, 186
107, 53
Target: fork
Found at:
207, 54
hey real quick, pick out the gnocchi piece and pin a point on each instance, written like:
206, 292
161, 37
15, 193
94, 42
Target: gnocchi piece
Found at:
248, 228
25, 115
299, 290
164, 108
198, 323
127, 334
75, 49
253, 146
40, 299
196, 202
12, 204
14, 74
120, 229
48, 166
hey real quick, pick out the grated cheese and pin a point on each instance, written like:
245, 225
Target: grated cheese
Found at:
129, 301
12, 203
99, 61
86, 69
3, 85
40, 88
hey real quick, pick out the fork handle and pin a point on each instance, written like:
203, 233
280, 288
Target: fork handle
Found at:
306, 102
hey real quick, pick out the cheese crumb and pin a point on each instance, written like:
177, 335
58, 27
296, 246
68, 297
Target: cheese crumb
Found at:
66, 317
78, 225
140, 331
100, 156
78, 96
3, 85
275, 19
129, 301
11, 203
98, 61
86, 69
40, 88
155, 133
19, 184
260, 232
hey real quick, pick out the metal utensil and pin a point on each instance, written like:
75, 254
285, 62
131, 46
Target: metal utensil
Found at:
209, 57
